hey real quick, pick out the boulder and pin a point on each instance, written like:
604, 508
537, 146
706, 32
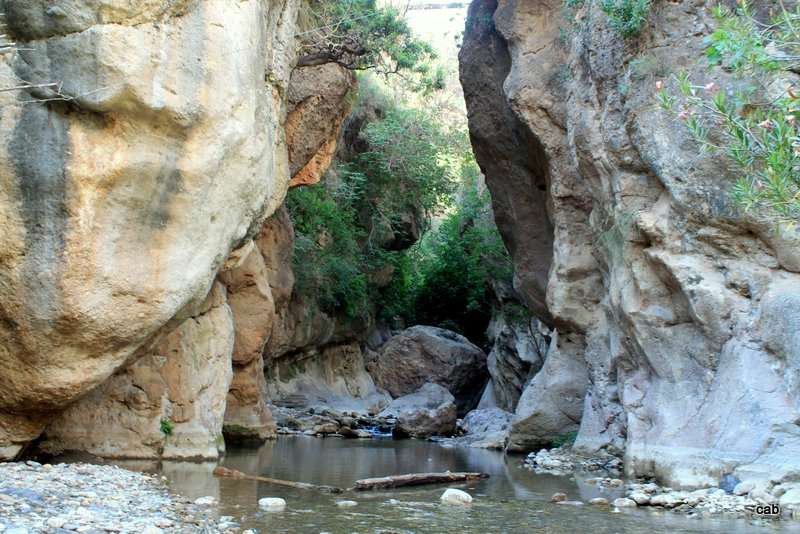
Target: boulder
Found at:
429, 411
485, 421
423, 354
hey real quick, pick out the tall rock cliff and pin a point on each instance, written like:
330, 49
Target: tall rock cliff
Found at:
206, 377
676, 318
152, 147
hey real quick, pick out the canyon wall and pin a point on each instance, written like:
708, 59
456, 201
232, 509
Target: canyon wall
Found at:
675, 317
150, 149
206, 377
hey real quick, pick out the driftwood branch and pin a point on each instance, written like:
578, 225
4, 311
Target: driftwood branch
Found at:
365, 484
232, 473
413, 479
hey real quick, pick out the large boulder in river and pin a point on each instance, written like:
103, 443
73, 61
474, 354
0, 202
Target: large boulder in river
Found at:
430, 411
423, 354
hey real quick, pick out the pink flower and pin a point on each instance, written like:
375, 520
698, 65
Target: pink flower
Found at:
766, 123
683, 115
659, 85
711, 88
790, 119
759, 184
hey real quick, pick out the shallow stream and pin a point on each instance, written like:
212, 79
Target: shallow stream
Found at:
512, 500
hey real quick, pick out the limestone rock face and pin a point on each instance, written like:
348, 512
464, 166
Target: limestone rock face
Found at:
120, 205
330, 376
318, 105
669, 341
518, 351
168, 404
429, 411
422, 354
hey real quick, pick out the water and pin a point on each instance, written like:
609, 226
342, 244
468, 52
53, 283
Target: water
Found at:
512, 500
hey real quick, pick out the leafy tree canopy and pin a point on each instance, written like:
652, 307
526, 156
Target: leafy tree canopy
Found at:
360, 35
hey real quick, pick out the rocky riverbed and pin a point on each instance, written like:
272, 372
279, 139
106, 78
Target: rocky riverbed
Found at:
63, 498
732, 496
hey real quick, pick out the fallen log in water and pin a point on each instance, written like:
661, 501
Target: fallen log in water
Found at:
233, 473
413, 479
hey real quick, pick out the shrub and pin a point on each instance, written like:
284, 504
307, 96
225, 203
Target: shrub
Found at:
760, 135
626, 16
166, 426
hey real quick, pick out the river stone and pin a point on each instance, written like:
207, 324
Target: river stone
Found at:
346, 504
745, 487
790, 499
623, 502
430, 411
558, 497
728, 483
206, 501
455, 496
423, 354
272, 502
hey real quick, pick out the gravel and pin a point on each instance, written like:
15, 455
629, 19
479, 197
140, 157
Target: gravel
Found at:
65, 498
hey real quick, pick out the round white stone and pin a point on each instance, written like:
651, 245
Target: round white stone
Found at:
272, 502
346, 504
455, 496
205, 501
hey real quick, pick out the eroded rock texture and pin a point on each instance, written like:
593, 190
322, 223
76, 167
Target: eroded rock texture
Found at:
169, 403
669, 344
120, 205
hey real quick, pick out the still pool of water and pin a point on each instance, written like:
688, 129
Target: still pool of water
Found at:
512, 500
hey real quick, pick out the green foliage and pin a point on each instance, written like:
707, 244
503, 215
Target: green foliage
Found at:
166, 426
626, 16
361, 35
448, 281
566, 439
762, 138
361, 218
327, 259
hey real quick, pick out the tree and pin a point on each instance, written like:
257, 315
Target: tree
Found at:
360, 35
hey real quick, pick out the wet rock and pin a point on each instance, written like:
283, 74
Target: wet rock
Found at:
273, 503
743, 488
346, 504
430, 411
455, 496
206, 501
623, 502
598, 501
728, 483
558, 497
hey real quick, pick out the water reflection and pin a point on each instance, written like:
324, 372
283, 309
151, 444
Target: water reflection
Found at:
512, 500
